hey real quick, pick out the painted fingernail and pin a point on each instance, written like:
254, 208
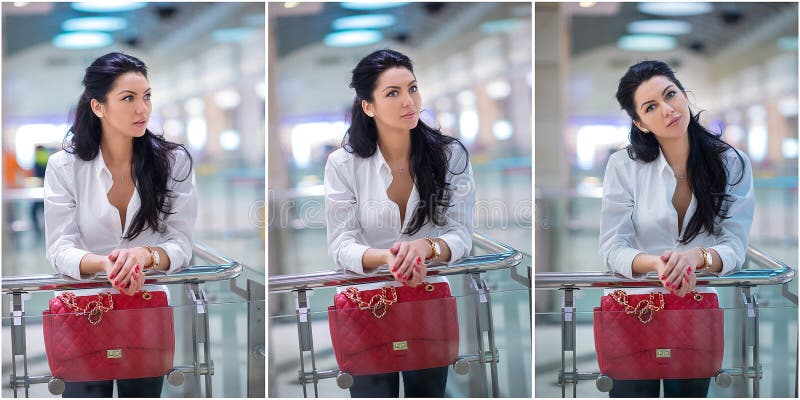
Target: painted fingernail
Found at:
690, 269
136, 268
112, 276
419, 261
663, 277
116, 282
405, 277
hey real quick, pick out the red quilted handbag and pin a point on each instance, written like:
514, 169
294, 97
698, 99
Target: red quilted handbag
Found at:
394, 328
659, 336
105, 336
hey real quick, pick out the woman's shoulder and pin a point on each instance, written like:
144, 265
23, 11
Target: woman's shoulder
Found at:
733, 162
62, 159
620, 158
341, 156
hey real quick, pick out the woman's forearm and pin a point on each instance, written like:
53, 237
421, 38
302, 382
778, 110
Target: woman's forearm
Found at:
93, 263
374, 258
644, 263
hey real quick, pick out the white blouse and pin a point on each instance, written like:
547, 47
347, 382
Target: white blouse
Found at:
638, 215
359, 214
79, 218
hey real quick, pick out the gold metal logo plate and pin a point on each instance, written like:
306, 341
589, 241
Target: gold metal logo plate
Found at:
115, 353
396, 346
663, 353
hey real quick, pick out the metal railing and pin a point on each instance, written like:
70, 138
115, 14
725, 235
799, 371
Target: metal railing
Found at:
503, 257
220, 268
772, 272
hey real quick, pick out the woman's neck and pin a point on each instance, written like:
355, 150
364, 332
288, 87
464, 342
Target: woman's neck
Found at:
676, 152
117, 150
395, 146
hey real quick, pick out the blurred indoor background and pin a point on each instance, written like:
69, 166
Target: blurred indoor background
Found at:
206, 69
738, 62
473, 63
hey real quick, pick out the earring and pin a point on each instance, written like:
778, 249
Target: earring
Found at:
645, 131
370, 114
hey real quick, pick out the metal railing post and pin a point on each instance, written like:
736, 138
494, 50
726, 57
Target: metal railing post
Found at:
200, 334
18, 345
485, 323
568, 332
305, 340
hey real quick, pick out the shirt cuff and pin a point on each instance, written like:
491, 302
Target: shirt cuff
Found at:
70, 264
728, 258
177, 259
624, 259
456, 248
351, 259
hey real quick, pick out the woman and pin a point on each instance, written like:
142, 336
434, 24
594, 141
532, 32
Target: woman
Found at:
398, 193
119, 199
676, 201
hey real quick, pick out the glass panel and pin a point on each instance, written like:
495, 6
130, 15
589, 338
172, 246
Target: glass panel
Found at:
511, 315
777, 338
228, 324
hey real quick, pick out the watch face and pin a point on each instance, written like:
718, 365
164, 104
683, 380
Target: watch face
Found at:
709, 259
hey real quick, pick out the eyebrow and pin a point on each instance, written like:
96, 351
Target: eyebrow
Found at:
398, 87
662, 93
131, 91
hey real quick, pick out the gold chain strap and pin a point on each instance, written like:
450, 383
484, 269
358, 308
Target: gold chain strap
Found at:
379, 303
95, 309
645, 308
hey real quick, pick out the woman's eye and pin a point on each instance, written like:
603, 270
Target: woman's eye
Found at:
650, 108
671, 94
147, 96
393, 93
127, 98
413, 89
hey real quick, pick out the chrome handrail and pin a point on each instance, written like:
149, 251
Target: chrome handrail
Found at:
222, 268
773, 272
504, 257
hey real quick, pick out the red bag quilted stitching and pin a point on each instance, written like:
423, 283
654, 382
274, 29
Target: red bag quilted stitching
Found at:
142, 330
419, 331
693, 331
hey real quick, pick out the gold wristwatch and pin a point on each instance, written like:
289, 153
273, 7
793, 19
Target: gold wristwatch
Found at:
435, 247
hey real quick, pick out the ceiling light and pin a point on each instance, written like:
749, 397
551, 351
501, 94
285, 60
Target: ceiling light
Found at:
675, 9
499, 26
107, 6
106, 24
369, 21
647, 43
587, 4
291, 4
20, 3
352, 38
82, 40
230, 35
372, 5
498, 89
660, 27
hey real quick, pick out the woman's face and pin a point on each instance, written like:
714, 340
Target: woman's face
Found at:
662, 107
396, 100
127, 108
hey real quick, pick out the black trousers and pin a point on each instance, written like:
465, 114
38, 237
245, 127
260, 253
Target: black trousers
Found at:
141, 387
419, 383
651, 388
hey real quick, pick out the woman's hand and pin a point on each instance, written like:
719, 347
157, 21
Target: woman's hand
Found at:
687, 284
678, 264
408, 265
127, 273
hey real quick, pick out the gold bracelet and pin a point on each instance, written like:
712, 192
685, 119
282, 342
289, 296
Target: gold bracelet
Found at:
153, 257
433, 248
705, 260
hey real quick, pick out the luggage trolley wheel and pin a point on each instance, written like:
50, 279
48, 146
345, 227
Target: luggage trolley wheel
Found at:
604, 383
344, 380
175, 377
55, 386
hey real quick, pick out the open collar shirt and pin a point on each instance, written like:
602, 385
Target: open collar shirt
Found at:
638, 216
79, 219
359, 214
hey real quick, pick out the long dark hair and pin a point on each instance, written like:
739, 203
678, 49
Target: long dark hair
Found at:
430, 150
705, 167
153, 156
